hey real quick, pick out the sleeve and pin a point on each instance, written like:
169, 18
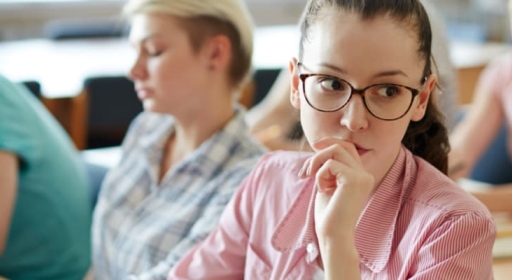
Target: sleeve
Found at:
460, 249
15, 120
222, 254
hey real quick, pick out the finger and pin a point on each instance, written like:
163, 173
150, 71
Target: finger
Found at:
334, 152
330, 141
328, 176
305, 169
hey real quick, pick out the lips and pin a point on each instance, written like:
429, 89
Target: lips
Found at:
361, 151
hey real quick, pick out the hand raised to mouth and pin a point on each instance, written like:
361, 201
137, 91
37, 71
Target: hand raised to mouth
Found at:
343, 184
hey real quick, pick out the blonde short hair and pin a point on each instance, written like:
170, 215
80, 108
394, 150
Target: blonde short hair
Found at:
204, 17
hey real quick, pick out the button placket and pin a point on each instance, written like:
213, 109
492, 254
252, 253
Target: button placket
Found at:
312, 252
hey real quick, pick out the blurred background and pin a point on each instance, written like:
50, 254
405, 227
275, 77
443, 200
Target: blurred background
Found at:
475, 20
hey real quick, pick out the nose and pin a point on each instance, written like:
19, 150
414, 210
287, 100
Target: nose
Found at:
355, 115
138, 70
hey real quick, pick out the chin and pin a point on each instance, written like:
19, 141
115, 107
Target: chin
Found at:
150, 106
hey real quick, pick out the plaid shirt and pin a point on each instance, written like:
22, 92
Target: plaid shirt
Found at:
141, 228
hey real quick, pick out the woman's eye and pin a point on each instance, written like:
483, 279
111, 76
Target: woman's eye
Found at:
388, 91
332, 84
154, 53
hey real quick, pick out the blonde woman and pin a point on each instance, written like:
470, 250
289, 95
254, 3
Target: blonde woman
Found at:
186, 154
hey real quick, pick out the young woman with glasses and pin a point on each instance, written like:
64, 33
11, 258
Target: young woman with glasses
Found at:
373, 200
276, 123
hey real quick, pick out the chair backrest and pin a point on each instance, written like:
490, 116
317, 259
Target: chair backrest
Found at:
113, 104
34, 87
264, 79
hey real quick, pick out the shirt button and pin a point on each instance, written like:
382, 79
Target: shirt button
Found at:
311, 248
312, 252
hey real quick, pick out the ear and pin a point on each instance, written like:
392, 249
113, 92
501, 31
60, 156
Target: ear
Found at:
218, 52
295, 81
420, 107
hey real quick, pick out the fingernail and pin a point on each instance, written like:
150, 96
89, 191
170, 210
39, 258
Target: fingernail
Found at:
300, 171
308, 172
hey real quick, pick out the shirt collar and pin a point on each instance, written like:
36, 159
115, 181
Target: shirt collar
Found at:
208, 156
376, 226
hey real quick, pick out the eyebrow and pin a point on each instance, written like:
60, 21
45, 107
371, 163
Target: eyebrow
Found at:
378, 75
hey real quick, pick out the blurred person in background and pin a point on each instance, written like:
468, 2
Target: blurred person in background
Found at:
187, 153
45, 214
490, 108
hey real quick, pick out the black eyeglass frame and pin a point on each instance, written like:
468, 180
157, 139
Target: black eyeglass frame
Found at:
414, 92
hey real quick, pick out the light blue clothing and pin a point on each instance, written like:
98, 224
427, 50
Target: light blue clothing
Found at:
143, 226
49, 235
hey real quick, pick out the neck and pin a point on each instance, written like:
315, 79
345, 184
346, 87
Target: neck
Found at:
191, 132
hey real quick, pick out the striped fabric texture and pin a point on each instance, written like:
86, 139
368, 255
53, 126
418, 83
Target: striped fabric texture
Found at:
417, 225
142, 227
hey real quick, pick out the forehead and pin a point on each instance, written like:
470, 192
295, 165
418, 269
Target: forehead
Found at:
363, 46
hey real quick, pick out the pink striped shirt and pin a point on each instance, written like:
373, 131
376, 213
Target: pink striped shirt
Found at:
417, 225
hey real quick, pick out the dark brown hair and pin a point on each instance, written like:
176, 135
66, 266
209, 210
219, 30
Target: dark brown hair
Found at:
427, 138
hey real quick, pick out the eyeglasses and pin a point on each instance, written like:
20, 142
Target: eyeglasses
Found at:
388, 102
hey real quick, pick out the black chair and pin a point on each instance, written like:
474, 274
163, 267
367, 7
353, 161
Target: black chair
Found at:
263, 80
34, 87
112, 105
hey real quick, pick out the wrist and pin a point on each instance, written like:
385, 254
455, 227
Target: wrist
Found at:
340, 259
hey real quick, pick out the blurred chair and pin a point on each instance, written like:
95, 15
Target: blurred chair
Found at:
34, 87
263, 80
112, 105
60, 29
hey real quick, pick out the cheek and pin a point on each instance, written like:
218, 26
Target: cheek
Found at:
392, 133
317, 125
170, 72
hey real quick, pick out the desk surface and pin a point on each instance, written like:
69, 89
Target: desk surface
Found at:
62, 66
